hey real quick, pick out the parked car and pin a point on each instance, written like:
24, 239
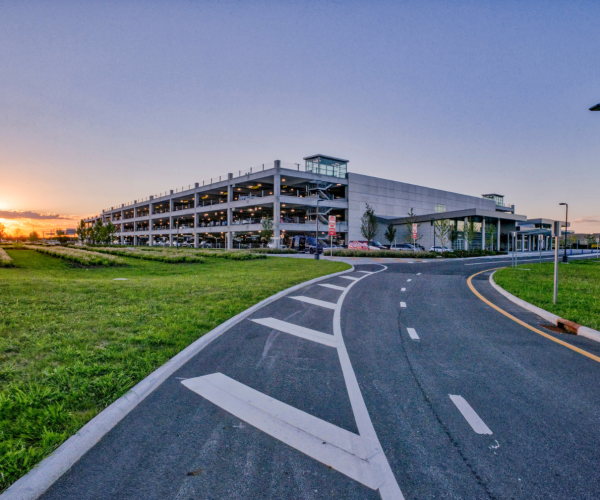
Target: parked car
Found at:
407, 247
363, 245
439, 249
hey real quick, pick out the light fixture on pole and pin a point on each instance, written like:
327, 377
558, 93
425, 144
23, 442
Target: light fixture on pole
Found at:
595, 108
564, 259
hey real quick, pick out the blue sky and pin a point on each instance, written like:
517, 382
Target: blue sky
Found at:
105, 102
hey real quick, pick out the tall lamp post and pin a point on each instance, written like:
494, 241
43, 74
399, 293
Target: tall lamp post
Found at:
564, 259
317, 232
433, 224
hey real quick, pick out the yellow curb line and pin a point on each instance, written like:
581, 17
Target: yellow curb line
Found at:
554, 339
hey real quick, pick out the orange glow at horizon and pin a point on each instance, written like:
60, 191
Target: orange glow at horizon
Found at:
27, 226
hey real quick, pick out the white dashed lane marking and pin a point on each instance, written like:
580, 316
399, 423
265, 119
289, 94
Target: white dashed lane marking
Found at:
333, 287
474, 420
315, 302
402, 304
413, 333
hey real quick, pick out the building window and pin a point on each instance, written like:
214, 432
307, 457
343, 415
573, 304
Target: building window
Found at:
440, 208
327, 166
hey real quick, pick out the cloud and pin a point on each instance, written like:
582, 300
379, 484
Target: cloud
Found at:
15, 214
586, 221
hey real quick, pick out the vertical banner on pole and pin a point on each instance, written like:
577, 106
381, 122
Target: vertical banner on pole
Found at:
414, 233
332, 232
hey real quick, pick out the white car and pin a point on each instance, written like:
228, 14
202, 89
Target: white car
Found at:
439, 249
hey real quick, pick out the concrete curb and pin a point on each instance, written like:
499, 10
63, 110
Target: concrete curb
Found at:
570, 326
35, 483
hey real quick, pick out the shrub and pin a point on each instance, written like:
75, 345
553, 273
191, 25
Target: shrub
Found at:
166, 257
273, 250
390, 254
5, 260
176, 256
461, 254
81, 257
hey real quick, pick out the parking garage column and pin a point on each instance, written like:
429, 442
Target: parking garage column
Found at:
483, 233
229, 234
498, 243
277, 202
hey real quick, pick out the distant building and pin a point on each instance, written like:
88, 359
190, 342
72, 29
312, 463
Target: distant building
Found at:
228, 211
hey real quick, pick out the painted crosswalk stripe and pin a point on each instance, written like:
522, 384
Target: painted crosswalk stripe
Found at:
315, 302
298, 331
402, 304
353, 278
338, 448
413, 333
333, 287
474, 420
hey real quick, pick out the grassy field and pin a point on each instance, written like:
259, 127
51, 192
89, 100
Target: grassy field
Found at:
72, 340
578, 288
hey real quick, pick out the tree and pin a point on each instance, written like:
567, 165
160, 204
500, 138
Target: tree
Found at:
82, 231
443, 228
110, 230
410, 220
490, 234
390, 233
97, 232
572, 240
590, 240
33, 237
469, 231
61, 237
368, 224
2, 231
267, 229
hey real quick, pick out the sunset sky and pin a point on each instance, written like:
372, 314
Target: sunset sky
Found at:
105, 102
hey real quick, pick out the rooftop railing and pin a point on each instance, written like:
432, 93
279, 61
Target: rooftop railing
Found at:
208, 182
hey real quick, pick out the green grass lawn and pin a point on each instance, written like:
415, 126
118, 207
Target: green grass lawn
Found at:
72, 340
578, 288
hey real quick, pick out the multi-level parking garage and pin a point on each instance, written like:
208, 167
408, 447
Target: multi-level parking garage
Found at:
229, 211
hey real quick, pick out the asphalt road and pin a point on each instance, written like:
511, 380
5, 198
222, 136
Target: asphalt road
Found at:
358, 408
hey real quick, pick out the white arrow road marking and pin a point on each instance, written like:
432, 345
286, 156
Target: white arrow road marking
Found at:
316, 302
359, 457
333, 287
353, 278
325, 442
474, 420
413, 333
402, 304
298, 331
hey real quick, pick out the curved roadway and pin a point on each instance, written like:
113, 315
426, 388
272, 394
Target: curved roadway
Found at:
395, 381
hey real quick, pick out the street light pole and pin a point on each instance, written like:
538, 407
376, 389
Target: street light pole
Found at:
433, 224
564, 259
317, 232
